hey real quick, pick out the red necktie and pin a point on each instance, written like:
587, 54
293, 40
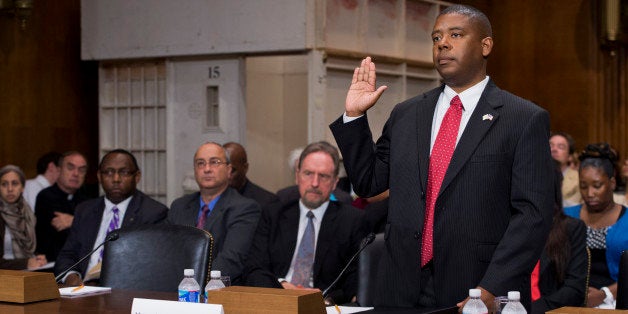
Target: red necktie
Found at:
534, 281
201, 221
439, 161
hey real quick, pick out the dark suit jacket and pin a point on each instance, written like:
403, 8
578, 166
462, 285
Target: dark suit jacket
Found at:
258, 194
291, 194
342, 229
142, 210
494, 207
572, 291
49, 200
232, 223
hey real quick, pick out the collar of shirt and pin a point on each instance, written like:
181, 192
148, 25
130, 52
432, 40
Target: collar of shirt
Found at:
42, 181
211, 205
122, 206
469, 98
318, 212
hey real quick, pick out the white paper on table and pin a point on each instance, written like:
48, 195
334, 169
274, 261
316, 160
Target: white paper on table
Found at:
151, 306
71, 292
347, 309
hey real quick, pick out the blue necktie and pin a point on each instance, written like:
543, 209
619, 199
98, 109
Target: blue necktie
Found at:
302, 268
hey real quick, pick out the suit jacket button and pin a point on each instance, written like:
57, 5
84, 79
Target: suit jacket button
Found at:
422, 195
417, 235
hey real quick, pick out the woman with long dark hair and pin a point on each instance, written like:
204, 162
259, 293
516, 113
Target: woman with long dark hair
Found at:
560, 277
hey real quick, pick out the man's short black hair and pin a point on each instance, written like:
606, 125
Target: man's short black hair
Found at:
120, 151
45, 160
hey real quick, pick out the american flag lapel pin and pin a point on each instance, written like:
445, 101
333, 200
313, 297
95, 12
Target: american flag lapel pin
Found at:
487, 116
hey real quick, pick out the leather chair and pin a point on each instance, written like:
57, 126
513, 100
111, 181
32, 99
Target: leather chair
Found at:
367, 270
622, 283
153, 257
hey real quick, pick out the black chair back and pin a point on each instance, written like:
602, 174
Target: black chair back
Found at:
367, 271
622, 283
153, 257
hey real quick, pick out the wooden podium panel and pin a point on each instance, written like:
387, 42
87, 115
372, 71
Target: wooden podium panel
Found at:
236, 299
24, 286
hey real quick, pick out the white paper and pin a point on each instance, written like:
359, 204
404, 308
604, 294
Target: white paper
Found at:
151, 306
50, 265
347, 309
85, 290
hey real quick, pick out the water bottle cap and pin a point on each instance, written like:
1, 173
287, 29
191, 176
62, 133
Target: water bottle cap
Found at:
188, 272
514, 295
475, 293
215, 274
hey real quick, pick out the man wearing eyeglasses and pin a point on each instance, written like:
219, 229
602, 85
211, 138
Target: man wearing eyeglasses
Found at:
123, 205
306, 243
55, 204
230, 217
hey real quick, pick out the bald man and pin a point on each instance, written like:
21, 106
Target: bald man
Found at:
239, 181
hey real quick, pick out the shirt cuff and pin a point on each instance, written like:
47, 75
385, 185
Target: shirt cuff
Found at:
69, 273
347, 119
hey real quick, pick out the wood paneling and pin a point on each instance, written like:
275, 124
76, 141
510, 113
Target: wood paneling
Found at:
549, 52
48, 96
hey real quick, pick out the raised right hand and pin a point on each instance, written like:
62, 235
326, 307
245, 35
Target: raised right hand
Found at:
362, 94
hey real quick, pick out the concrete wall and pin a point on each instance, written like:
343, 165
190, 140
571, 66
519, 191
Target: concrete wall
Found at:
118, 29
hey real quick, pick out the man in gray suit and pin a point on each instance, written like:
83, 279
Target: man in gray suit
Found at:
469, 172
219, 209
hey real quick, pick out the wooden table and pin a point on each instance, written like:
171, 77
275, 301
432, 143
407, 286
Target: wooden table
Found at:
117, 301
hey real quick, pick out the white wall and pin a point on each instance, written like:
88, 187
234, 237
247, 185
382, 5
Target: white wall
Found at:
119, 29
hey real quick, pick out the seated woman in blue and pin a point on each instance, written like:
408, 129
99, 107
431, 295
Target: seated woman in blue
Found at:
607, 222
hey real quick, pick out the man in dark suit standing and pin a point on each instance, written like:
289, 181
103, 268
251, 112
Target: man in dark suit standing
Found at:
123, 206
469, 172
239, 181
230, 217
292, 250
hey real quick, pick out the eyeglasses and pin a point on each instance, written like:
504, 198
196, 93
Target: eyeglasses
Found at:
110, 172
310, 175
212, 162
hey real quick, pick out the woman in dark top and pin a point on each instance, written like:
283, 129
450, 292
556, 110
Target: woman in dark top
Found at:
17, 223
607, 223
560, 277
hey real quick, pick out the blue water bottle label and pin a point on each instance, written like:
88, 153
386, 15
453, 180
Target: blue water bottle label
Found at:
189, 296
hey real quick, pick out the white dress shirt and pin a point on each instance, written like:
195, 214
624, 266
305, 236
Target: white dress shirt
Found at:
303, 220
32, 187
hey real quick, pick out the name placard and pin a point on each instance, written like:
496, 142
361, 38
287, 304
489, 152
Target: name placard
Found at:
151, 306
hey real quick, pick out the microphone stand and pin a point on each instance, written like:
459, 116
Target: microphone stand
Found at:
367, 240
111, 237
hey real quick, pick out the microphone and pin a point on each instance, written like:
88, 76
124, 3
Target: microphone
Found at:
114, 235
365, 242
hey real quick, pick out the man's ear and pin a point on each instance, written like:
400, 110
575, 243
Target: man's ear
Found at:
487, 46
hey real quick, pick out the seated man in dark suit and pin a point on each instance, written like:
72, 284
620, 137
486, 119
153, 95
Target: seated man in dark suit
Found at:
230, 217
306, 243
238, 179
122, 206
55, 205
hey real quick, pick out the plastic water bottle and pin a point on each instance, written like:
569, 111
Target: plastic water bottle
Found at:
514, 306
214, 282
189, 289
475, 304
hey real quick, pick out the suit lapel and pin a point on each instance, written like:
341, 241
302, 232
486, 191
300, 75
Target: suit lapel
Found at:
215, 216
474, 132
425, 116
132, 211
191, 210
97, 213
325, 236
288, 232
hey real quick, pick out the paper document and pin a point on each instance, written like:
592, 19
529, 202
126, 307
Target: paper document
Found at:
347, 309
70, 292
50, 265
